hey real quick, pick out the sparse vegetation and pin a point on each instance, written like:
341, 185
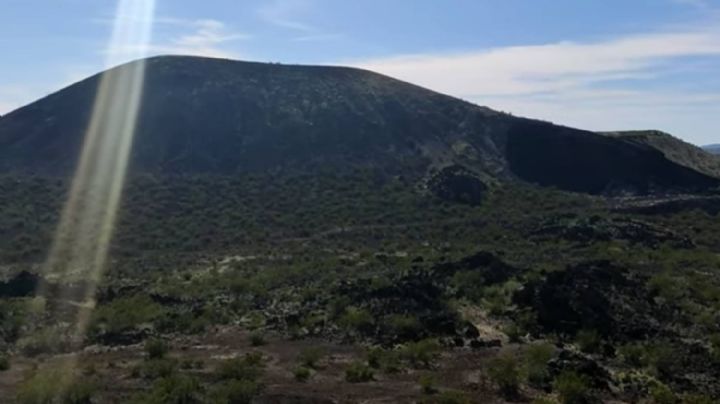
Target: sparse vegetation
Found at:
302, 373
156, 348
572, 388
504, 371
311, 357
359, 372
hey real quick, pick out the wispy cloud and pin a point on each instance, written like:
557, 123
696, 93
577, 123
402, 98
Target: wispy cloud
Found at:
699, 4
286, 14
291, 15
317, 37
550, 67
202, 37
550, 80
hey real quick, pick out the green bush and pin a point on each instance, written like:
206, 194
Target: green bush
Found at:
310, 357
173, 389
235, 392
404, 326
544, 400
302, 373
125, 313
46, 340
572, 388
48, 386
156, 368
715, 347
156, 348
421, 353
249, 367
537, 357
505, 373
359, 372
388, 361
427, 384
4, 363
513, 332
665, 286
661, 394
356, 319
588, 341
697, 399
633, 354
257, 339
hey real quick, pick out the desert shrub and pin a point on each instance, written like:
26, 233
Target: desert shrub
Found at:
633, 354
359, 372
257, 339
301, 373
235, 392
4, 363
588, 341
662, 358
249, 367
79, 392
356, 319
405, 326
173, 389
513, 332
45, 340
421, 353
572, 388
427, 384
125, 313
13, 315
55, 386
450, 397
387, 360
715, 347
697, 399
544, 400
537, 357
469, 284
156, 348
498, 298
504, 371
156, 368
661, 394
310, 357
665, 286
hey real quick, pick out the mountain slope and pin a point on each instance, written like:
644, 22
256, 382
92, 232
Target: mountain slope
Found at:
211, 116
712, 148
674, 149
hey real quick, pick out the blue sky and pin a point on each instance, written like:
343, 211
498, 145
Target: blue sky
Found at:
594, 64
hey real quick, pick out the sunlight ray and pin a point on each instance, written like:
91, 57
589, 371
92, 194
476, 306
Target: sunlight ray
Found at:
81, 244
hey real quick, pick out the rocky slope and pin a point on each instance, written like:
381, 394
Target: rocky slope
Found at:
214, 116
680, 152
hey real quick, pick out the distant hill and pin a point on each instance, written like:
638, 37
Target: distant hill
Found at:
712, 148
212, 116
674, 149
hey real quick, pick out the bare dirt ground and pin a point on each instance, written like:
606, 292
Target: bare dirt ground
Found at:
460, 369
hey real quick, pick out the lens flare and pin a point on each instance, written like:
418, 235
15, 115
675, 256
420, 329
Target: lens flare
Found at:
80, 247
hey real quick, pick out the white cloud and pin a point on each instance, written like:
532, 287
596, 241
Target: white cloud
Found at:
699, 4
550, 67
568, 82
284, 13
202, 37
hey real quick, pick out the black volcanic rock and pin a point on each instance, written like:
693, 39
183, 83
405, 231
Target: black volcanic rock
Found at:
212, 116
